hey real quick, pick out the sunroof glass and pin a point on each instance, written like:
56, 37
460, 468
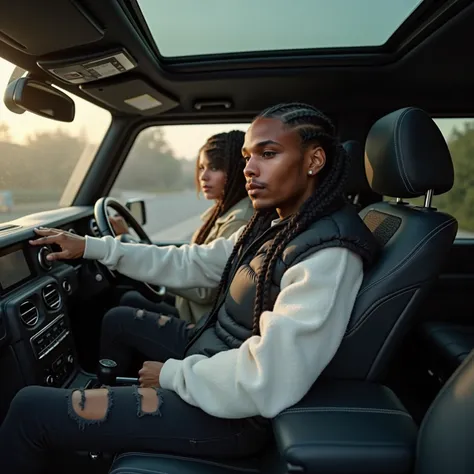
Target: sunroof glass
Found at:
205, 27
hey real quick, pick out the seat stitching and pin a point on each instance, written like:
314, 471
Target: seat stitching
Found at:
126, 470
374, 306
408, 185
413, 253
399, 155
183, 458
375, 411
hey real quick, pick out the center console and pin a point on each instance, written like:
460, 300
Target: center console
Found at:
344, 426
36, 316
53, 349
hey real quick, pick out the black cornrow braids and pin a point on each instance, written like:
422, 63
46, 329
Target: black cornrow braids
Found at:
224, 150
312, 126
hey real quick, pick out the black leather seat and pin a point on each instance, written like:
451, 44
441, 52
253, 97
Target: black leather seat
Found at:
148, 463
447, 432
406, 157
445, 346
350, 426
357, 183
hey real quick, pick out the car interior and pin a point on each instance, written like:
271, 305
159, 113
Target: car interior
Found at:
398, 396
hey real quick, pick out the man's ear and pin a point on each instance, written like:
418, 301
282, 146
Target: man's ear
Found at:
316, 159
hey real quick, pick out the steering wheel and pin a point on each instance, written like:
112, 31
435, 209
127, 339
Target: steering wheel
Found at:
105, 228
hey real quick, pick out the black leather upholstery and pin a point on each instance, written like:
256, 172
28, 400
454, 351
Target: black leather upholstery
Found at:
415, 242
149, 463
339, 427
445, 346
445, 443
357, 181
406, 154
347, 426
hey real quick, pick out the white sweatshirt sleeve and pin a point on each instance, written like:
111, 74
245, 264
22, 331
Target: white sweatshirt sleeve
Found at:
271, 372
188, 266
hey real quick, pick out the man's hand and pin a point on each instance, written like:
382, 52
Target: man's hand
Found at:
72, 245
119, 225
149, 374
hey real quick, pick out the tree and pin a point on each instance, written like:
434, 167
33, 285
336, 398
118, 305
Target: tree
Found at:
39, 169
4, 133
151, 165
460, 200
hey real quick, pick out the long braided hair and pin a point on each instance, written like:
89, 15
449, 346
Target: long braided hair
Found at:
224, 152
313, 127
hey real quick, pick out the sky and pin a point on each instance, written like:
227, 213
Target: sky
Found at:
249, 25
90, 119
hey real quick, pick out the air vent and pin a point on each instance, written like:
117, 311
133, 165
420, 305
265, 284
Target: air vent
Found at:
51, 296
94, 228
29, 313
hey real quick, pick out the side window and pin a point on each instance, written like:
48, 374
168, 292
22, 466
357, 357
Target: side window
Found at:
459, 202
160, 169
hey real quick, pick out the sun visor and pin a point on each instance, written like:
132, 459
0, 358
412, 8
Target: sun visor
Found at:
133, 96
31, 27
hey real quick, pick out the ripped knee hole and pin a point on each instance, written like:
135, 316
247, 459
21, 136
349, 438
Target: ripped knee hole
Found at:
162, 320
89, 407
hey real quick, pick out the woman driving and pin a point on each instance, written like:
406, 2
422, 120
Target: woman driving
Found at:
219, 176
286, 285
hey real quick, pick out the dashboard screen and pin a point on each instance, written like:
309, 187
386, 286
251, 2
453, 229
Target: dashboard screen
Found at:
13, 269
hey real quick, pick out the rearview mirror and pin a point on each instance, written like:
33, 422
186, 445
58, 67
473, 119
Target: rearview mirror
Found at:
39, 98
137, 210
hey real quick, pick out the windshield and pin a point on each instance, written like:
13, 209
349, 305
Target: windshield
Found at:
38, 156
271, 25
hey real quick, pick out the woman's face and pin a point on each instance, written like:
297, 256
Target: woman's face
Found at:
211, 180
279, 173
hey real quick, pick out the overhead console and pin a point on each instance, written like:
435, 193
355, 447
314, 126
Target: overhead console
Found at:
100, 76
90, 68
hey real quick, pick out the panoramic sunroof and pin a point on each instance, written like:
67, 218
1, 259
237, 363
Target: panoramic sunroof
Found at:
203, 27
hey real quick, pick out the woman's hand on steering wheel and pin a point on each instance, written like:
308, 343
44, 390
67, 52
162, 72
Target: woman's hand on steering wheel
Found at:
119, 225
72, 245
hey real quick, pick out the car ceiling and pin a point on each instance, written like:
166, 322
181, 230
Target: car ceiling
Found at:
428, 64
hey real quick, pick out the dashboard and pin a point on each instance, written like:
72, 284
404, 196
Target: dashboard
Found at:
36, 343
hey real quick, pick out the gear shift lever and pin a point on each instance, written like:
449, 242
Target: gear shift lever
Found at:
107, 372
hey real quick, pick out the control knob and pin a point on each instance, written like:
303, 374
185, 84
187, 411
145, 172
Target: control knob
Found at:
42, 260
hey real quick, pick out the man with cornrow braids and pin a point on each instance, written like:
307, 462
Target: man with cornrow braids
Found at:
287, 284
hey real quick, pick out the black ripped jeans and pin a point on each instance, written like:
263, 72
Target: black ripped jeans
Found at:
130, 335
134, 299
42, 420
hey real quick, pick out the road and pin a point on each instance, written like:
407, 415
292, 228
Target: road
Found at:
172, 216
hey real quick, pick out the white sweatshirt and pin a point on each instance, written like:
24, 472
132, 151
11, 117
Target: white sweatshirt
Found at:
270, 372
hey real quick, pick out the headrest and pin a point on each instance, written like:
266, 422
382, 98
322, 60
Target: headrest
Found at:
357, 181
406, 155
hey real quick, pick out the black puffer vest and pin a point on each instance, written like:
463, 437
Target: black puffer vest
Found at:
231, 324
